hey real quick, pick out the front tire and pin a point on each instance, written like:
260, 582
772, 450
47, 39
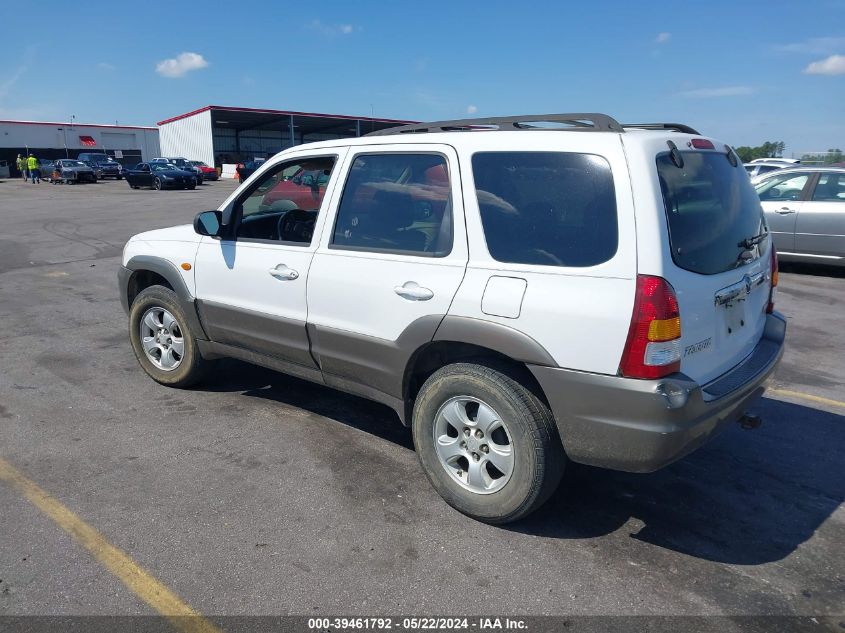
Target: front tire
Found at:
162, 340
157, 184
487, 444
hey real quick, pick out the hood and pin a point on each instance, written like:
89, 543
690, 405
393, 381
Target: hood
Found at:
181, 233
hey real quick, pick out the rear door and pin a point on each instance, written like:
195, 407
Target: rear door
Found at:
781, 197
389, 264
720, 252
820, 228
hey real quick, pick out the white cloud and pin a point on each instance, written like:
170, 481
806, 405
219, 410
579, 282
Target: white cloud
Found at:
833, 65
724, 91
814, 46
471, 109
330, 30
181, 64
662, 38
105, 66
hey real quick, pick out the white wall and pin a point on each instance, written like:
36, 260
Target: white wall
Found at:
188, 138
19, 135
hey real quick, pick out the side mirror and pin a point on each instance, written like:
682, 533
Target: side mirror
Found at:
208, 223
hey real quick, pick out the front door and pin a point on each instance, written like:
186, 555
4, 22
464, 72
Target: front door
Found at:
781, 197
250, 283
389, 265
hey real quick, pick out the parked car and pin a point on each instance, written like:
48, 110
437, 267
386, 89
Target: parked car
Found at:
73, 171
245, 170
182, 163
757, 170
160, 176
787, 161
805, 211
514, 307
299, 190
208, 173
47, 168
103, 165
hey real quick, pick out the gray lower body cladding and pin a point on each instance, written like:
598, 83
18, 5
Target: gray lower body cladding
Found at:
643, 425
608, 421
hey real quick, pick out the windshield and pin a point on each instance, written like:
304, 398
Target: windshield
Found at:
198, 163
711, 209
73, 163
98, 158
161, 167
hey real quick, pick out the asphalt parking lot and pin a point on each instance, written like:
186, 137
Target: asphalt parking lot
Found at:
257, 493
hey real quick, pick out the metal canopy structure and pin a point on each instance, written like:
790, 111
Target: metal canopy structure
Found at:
242, 133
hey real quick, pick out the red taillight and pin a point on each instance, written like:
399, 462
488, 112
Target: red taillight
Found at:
653, 348
771, 305
701, 143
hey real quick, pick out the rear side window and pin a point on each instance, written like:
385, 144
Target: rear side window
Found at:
396, 203
711, 209
546, 208
830, 188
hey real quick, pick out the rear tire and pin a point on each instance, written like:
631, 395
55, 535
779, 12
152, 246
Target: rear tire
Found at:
461, 467
167, 351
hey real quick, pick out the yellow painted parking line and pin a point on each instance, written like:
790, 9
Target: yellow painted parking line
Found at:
139, 581
806, 396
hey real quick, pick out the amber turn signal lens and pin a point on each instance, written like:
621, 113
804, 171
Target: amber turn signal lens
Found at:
664, 329
186, 266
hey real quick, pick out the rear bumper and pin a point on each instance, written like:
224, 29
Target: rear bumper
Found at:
643, 425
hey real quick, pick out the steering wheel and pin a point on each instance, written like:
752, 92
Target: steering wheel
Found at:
297, 225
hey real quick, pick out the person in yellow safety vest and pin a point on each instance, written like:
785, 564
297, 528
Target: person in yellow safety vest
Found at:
34, 172
21, 164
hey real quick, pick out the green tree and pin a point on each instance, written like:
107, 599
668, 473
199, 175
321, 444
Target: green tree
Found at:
769, 149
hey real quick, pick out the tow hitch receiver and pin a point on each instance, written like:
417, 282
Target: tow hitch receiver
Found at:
750, 421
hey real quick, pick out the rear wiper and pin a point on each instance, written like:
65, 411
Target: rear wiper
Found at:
748, 242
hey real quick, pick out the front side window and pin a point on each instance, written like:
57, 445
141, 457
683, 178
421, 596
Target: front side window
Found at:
782, 187
396, 203
283, 206
546, 208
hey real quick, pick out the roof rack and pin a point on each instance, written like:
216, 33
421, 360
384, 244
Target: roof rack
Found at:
580, 121
675, 127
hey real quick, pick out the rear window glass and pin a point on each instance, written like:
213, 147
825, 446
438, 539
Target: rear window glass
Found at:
546, 208
711, 208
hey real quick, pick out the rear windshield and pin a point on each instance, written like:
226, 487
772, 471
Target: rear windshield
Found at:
711, 209
546, 208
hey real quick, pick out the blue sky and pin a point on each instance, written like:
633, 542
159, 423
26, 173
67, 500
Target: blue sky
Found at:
745, 72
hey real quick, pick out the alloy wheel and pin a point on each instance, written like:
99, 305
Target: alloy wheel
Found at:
473, 444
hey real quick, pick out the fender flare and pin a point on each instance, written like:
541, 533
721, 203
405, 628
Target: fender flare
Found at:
495, 336
168, 270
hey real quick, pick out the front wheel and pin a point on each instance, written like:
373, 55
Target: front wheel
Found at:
487, 443
157, 184
161, 338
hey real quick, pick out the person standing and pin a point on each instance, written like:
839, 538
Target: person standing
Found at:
21, 163
34, 172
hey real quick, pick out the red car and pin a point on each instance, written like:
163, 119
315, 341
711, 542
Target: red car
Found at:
303, 190
208, 173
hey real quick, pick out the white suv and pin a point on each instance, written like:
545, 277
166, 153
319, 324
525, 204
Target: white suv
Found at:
522, 291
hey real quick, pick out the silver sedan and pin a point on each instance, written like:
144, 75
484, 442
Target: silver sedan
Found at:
805, 211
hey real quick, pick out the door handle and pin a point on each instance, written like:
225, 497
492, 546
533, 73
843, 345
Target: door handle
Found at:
283, 273
413, 291
784, 211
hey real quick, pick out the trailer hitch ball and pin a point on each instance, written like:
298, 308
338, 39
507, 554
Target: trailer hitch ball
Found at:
750, 421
